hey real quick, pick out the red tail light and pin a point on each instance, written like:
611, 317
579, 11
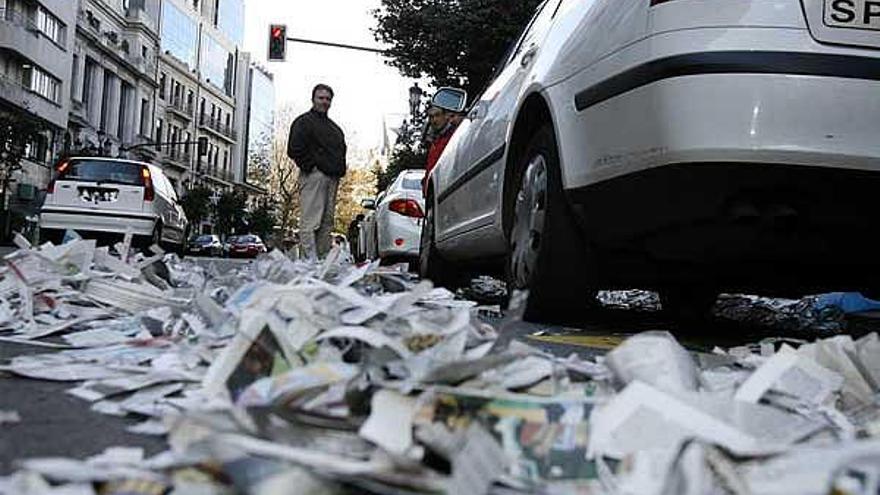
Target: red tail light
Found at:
406, 207
51, 188
61, 168
149, 194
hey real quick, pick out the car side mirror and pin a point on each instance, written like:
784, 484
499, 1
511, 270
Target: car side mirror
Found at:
368, 204
450, 99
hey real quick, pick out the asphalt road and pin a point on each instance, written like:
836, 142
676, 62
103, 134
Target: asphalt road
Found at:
57, 424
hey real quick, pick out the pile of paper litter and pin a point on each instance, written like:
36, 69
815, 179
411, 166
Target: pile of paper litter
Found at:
288, 377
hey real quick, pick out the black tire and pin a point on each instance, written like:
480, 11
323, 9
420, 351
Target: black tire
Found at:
51, 235
155, 238
431, 264
547, 253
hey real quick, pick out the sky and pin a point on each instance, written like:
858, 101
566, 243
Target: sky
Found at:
366, 88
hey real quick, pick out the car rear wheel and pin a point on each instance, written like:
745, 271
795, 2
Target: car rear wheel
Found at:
155, 237
432, 266
547, 254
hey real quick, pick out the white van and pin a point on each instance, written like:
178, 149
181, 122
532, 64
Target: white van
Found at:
109, 196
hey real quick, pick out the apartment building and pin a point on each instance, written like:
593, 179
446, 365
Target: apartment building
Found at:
259, 115
197, 96
36, 44
113, 78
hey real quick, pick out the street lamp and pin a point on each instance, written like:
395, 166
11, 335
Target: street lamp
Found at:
415, 99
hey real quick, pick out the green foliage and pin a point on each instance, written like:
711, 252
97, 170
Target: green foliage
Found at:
262, 220
230, 213
452, 42
16, 133
197, 205
408, 153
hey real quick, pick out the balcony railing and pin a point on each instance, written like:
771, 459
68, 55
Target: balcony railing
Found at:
218, 127
179, 157
181, 107
17, 18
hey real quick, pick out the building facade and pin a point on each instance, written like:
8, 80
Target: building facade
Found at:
197, 96
140, 79
36, 45
113, 78
260, 132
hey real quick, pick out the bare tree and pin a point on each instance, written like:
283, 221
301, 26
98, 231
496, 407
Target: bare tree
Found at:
284, 174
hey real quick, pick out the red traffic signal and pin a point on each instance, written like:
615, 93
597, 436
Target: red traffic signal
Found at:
277, 42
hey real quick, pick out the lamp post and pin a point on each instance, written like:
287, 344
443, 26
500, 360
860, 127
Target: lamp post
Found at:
415, 99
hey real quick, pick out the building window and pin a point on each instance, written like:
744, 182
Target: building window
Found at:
144, 52
88, 80
49, 25
180, 35
36, 150
217, 64
145, 118
124, 105
43, 84
231, 20
159, 125
105, 100
163, 79
74, 76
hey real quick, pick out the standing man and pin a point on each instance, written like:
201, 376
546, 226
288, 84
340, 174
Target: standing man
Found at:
317, 145
443, 123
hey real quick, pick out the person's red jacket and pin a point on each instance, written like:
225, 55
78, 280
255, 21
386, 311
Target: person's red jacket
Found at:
436, 150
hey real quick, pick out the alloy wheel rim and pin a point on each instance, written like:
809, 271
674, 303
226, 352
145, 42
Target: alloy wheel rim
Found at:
530, 212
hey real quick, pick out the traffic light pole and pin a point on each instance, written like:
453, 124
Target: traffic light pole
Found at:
337, 45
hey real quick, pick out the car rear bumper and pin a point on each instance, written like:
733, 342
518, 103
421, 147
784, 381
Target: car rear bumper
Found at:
742, 95
745, 227
399, 236
108, 222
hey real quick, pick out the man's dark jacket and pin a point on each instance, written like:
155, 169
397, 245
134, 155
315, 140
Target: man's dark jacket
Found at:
316, 142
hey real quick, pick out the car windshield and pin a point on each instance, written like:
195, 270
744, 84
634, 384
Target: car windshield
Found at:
205, 239
248, 239
411, 184
104, 171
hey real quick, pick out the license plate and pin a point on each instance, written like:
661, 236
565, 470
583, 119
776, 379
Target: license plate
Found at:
96, 195
853, 14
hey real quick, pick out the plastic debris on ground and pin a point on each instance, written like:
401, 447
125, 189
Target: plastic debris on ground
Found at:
283, 376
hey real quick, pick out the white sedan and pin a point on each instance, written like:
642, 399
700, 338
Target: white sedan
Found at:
686, 146
393, 230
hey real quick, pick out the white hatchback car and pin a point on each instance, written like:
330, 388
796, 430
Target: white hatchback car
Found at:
393, 230
109, 196
687, 146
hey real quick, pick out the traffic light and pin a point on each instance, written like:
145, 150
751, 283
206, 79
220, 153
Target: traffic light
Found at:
277, 42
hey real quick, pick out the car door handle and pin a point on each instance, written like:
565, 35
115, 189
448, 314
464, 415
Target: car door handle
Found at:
528, 56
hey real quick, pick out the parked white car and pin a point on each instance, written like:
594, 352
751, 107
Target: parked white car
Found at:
108, 196
687, 146
392, 231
